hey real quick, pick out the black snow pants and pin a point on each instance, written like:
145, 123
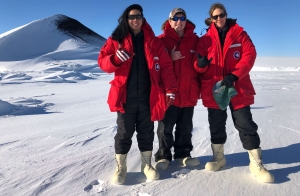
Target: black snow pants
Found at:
243, 122
182, 117
136, 117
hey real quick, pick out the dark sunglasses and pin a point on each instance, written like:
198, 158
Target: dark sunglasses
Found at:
176, 18
132, 17
215, 17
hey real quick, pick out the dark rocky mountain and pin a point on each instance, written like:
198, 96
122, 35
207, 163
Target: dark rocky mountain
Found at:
75, 29
55, 37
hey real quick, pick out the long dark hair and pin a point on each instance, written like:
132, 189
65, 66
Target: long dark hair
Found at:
123, 28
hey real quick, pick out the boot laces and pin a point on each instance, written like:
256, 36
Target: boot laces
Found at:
119, 165
215, 154
147, 160
258, 164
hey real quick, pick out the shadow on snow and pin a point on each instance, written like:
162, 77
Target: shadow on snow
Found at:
282, 155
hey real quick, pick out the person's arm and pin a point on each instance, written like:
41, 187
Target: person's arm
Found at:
200, 60
166, 72
244, 66
110, 58
166, 68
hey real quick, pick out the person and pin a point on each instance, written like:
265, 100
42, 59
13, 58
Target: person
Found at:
143, 87
180, 41
226, 53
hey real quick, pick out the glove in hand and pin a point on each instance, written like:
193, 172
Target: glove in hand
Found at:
203, 61
228, 80
121, 55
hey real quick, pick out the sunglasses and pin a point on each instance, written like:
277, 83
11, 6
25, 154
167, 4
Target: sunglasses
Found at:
215, 17
176, 18
132, 17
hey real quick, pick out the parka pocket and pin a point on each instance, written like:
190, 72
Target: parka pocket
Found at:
207, 89
158, 104
194, 93
116, 94
245, 87
234, 53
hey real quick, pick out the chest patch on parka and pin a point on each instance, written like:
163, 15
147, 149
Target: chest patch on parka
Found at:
237, 55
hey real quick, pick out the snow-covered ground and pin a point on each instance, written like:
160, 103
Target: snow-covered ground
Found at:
57, 133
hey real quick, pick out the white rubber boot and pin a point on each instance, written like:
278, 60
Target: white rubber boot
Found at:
162, 165
188, 161
121, 169
256, 167
218, 160
146, 166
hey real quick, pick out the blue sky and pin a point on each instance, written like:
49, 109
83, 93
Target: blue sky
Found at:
272, 25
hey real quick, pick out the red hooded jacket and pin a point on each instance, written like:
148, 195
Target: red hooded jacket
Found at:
160, 69
187, 77
237, 57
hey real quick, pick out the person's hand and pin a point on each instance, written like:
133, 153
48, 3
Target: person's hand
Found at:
228, 80
121, 55
203, 61
175, 55
170, 97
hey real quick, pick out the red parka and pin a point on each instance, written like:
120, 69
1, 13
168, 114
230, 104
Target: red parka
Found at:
160, 69
237, 57
187, 77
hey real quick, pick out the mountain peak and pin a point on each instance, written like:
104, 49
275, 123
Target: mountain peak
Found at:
47, 36
76, 29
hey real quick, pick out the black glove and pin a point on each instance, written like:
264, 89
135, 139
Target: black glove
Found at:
228, 80
203, 61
